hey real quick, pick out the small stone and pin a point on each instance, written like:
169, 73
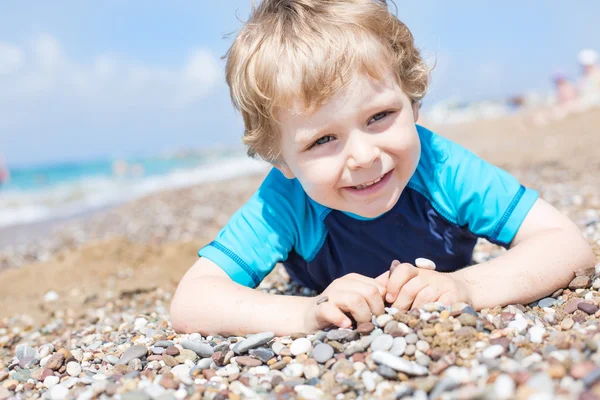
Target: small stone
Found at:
467, 319
73, 368
248, 361
263, 354
203, 350
55, 362
172, 351
546, 302
251, 342
59, 392
136, 351
398, 364
300, 346
567, 324
399, 346
383, 319
425, 264
322, 353
580, 282
585, 272
536, 333
365, 328
592, 377
382, 342
588, 308
571, 305
493, 351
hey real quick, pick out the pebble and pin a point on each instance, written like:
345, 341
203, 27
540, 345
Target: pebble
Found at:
399, 346
588, 308
398, 364
300, 346
425, 263
201, 349
493, 351
131, 353
253, 341
322, 353
382, 342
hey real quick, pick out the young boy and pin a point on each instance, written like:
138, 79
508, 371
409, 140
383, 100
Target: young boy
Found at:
330, 92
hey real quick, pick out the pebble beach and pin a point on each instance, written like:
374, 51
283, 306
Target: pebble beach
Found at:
84, 307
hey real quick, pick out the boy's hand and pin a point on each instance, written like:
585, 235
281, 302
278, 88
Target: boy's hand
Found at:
410, 287
359, 296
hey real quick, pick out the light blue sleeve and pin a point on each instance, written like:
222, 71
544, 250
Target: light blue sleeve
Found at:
279, 217
474, 193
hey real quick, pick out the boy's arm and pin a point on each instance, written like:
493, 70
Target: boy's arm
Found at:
208, 301
542, 258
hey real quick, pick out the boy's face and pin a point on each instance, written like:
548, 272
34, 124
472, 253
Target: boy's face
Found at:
365, 133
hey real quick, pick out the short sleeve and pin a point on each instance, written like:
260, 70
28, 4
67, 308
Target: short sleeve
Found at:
276, 219
486, 198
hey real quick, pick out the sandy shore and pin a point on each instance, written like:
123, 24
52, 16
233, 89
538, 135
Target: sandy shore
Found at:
144, 247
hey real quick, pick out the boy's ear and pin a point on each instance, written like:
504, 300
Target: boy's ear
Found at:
284, 170
416, 106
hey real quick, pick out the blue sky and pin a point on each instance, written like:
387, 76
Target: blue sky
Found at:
81, 80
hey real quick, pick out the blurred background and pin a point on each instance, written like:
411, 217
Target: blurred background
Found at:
105, 103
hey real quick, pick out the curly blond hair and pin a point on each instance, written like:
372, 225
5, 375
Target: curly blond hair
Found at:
308, 50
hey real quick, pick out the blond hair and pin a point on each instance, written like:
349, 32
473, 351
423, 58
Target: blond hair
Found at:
308, 50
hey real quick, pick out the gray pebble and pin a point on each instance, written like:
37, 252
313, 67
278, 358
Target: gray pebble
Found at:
341, 335
112, 359
398, 347
253, 341
387, 372
201, 349
592, 377
164, 343
322, 352
136, 351
23, 351
382, 342
204, 363
263, 354
546, 302
411, 338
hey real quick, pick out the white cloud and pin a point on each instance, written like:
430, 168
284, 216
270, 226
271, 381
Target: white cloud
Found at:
11, 58
43, 72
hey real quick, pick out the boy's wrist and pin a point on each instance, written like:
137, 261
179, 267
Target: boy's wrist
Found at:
465, 285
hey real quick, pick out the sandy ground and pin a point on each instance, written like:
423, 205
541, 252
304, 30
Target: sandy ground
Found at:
82, 273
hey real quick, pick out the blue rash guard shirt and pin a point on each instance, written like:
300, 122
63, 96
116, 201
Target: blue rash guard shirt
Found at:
453, 198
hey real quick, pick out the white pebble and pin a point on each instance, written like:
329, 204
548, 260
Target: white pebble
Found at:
294, 370
398, 347
425, 263
504, 387
422, 346
73, 368
51, 381
493, 351
140, 323
383, 319
277, 347
300, 346
59, 392
536, 334
309, 392
51, 296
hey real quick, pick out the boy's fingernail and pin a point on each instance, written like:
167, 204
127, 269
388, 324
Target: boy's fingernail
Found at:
346, 324
389, 297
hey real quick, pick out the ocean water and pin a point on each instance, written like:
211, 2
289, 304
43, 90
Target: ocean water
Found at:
60, 190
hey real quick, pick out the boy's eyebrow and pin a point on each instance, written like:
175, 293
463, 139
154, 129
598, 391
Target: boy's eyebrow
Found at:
388, 99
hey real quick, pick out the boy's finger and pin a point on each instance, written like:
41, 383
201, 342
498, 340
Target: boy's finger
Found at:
361, 280
331, 314
383, 278
408, 293
426, 295
376, 305
447, 298
356, 305
402, 274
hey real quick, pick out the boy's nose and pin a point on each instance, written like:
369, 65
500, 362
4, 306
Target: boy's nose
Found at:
362, 154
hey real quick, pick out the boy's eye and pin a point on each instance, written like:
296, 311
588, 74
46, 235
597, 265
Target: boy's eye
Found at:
381, 115
322, 140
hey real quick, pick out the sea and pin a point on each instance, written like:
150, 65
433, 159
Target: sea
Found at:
64, 189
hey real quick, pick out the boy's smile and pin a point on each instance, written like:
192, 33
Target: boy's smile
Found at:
358, 151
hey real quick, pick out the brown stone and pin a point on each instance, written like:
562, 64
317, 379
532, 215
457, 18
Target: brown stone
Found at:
279, 365
3, 375
580, 282
172, 351
208, 373
556, 371
154, 357
503, 341
557, 293
219, 358
365, 328
437, 353
359, 357
170, 360
438, 367
56, 361
46, 372
588, 308
168, 382
248, 361
590, 271
571, 306
579, 316
467, 319
579, 370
